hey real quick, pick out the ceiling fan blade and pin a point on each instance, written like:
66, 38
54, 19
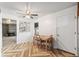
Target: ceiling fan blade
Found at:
34, 14
19, 10
16, 9
31, 17
20, 13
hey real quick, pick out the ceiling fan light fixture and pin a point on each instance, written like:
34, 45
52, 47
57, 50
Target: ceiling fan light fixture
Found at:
28, 12
27, 16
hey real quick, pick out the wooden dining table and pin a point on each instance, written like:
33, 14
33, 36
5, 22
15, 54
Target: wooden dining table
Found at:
45, 39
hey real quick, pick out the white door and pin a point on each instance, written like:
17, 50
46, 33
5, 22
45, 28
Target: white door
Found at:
66, 33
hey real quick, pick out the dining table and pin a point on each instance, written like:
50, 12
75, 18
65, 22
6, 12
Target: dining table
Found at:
45, 38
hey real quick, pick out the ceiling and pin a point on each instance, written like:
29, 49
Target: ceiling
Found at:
42, 8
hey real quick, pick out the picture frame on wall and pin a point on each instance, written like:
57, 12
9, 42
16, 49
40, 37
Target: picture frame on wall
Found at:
24, 26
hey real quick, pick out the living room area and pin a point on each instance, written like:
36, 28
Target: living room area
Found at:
38, 29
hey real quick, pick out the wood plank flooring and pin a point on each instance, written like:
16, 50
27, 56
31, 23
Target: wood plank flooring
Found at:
29, 50
8, 41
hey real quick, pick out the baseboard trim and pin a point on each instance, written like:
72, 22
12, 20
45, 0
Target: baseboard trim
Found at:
66, 51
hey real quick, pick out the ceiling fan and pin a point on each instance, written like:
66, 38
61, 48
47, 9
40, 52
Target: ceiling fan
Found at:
28, 12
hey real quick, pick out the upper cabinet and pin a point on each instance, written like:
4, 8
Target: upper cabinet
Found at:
78, 9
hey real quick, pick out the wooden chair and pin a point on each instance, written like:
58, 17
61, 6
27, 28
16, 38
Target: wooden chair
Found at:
37, 41
50, 43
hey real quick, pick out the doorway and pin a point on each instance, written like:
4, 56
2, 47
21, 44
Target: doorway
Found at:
36, 28
8, 33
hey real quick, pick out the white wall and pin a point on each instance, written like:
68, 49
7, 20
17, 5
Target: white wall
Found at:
25, 36
69, 27
78, 34
0, 32
47, 26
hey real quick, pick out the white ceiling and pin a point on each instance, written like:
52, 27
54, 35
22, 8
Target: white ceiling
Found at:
38, 7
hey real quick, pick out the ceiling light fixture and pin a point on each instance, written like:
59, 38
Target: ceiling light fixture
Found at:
28, 12
27, 16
